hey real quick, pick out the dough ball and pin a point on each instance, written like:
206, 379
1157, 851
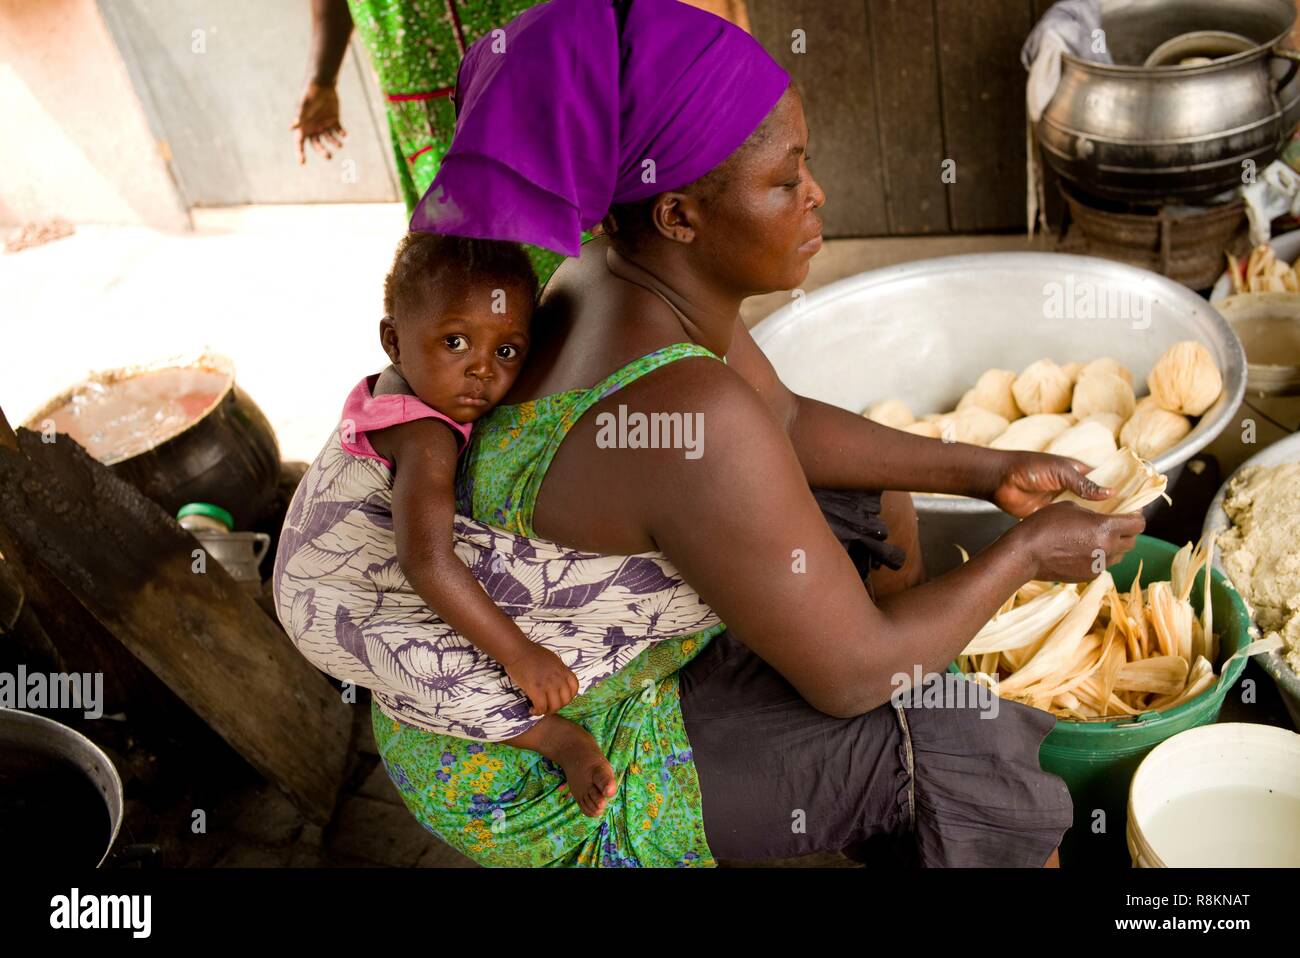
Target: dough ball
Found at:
1186, 379
1042, 387
1102, 392
1089, 442
893, 413
1033, 433
992, 391
1153, 430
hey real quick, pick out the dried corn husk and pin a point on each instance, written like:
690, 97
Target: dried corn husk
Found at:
1063, 642
1134, 481
1033, 433
1262, 273
1164, 674
1115, 655
1025, 623
893, 413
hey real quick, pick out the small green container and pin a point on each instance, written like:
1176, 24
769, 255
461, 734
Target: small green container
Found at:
1098, 759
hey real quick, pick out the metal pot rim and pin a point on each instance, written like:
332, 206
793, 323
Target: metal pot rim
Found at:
210, 361
67, 732
1174, 70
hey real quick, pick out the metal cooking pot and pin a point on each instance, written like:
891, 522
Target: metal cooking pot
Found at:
924, 331
61, 793
1140, 134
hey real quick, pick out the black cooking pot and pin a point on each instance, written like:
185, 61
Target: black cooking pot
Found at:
227, 456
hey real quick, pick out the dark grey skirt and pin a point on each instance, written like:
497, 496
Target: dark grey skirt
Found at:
942, 785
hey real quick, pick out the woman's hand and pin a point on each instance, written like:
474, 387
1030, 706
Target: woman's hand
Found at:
318, 121
545, 679
1028, 481
1068, 543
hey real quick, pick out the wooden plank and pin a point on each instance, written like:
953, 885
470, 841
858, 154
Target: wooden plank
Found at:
983, 92
128, 563
834, 76
911, 126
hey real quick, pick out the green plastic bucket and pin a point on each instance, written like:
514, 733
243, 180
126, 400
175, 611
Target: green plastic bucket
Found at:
1098, 759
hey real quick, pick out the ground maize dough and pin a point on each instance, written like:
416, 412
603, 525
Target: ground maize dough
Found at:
1262, 549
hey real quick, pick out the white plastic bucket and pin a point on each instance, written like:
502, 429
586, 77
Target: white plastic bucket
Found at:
1218, 796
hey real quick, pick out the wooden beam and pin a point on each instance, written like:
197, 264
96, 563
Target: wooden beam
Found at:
138, 573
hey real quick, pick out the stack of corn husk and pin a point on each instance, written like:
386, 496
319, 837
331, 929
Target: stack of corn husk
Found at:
1262, 273
1094, 652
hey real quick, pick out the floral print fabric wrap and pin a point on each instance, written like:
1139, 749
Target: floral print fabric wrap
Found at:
344, 600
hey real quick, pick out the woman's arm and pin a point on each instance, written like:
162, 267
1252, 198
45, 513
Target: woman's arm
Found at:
317, 120
744, 530
832, 445
424, 454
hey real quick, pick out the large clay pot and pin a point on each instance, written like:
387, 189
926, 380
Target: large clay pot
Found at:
225, 454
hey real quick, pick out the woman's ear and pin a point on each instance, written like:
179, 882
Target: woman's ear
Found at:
674, 216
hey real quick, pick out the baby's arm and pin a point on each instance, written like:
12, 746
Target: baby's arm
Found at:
424, 507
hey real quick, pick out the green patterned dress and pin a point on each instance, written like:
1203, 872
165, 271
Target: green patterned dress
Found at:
504, 806
416, 47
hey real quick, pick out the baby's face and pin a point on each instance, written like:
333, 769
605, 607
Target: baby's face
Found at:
463, 347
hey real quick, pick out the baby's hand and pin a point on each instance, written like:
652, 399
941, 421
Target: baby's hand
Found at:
545, 679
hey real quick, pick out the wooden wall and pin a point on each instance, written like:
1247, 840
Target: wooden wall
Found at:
893, 89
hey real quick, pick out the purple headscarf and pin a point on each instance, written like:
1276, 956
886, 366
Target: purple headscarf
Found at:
579, 104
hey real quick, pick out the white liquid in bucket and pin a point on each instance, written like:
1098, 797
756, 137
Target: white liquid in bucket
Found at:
1236, 826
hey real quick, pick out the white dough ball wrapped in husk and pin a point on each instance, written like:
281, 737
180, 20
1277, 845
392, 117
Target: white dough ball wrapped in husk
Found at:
1146, 402
1089, 442
992, 391
1033, 433
1102, 392
1111, 420
1042, 387
923, 428
1108, 365
893, 413
1186, 379
974, 424
1151, 431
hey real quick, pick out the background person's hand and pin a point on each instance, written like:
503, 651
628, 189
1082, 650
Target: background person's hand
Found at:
318, 122
545, 679
1031, 480
1069, 543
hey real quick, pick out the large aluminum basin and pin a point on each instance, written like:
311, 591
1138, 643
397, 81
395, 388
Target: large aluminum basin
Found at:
924, 331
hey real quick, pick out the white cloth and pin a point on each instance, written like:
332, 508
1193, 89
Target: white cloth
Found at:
1274, 193
1070, 26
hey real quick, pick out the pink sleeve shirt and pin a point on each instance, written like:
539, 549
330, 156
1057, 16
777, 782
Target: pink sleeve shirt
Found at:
367, 411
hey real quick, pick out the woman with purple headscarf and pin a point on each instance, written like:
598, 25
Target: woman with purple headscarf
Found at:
780, 734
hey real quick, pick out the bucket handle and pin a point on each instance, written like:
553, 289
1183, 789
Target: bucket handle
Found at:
1293, 64
1137, 719
262, 543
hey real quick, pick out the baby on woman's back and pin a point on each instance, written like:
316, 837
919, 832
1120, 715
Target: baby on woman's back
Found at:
456, 331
